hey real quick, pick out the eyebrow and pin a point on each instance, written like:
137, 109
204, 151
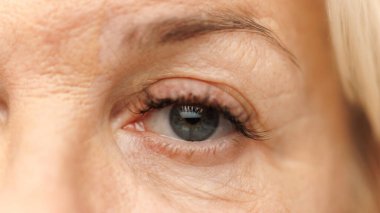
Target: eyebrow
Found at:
181, 29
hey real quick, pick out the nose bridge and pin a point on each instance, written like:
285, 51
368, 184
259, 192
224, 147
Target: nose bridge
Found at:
46, 140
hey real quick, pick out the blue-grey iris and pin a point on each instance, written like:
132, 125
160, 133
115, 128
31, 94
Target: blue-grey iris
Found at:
193, 123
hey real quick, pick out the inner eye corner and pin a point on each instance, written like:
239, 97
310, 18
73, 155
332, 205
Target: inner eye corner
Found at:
4, 112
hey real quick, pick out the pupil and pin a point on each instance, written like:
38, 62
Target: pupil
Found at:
193, 123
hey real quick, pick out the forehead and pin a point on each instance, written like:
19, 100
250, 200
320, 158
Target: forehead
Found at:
72, 13
60, 27
30, 25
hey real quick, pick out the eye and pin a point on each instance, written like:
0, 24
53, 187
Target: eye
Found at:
190, 110
188, 122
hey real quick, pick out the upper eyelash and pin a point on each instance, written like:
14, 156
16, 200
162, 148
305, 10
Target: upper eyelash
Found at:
152, 103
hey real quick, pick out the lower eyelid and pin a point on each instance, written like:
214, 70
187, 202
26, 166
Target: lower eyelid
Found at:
207, 153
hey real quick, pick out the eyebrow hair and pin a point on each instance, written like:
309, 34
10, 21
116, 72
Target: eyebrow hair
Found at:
181, 29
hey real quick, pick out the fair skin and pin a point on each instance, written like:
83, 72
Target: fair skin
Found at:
70, 70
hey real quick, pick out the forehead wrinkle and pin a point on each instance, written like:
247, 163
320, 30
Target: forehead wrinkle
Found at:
55, 43
126, 25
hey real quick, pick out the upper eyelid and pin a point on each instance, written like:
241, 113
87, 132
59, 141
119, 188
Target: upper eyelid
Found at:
143, 94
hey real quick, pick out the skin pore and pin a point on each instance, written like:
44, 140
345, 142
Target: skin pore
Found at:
71, 71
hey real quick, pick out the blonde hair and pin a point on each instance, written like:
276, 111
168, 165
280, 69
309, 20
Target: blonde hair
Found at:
355, 30
355, 34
